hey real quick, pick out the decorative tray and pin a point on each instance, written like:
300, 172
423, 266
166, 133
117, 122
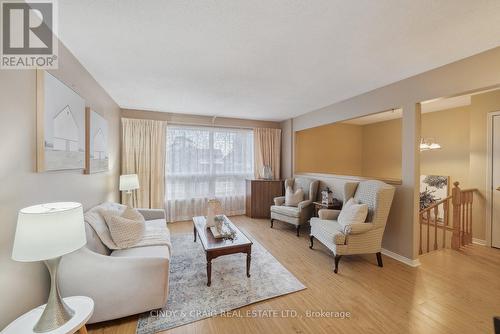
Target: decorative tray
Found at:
226, 232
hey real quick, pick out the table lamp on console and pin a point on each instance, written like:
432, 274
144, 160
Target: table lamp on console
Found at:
46, 232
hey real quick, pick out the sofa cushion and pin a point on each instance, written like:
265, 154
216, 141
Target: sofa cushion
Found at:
95, 219
125, 232
290, 211
352, 213
157, 223
305, 184
329, 229
132, 214
94, 243
156, 232
293, 197
147, 251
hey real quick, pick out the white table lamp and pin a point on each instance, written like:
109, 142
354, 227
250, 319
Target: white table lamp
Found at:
129, 182
45, 232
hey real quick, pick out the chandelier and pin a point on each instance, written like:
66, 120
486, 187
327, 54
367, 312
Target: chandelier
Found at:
428, 144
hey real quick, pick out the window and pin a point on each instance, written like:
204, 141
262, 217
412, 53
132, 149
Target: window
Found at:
205, 163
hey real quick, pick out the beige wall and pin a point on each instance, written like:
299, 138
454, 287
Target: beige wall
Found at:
382, 150
450, 128
372, 150
334, 148
25, 285
476, 72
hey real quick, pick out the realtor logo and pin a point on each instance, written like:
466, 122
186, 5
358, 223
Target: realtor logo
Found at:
28, 35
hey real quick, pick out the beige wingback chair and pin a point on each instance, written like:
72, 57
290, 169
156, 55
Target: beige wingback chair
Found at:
300, 214
360, 238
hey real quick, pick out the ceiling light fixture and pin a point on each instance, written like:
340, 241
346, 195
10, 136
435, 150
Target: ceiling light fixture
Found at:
428, 144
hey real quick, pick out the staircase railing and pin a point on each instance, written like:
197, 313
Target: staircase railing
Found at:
452, 214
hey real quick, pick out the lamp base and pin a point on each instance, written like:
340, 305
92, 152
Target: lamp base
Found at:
56, 312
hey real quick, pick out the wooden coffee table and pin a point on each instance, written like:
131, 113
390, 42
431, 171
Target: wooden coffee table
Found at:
218, 247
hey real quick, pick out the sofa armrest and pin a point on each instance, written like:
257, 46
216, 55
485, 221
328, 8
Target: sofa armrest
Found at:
358, 228
279, 200
328, 214
304, 204
150, 214
113, 282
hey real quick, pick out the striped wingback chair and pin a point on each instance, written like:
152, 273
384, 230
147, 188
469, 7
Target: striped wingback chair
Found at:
359, 238
300, 214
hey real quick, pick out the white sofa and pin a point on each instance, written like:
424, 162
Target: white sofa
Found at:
121, 282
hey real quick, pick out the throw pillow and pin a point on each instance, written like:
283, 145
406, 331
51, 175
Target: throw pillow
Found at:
352, 213
133, 214
124, 231
293, 198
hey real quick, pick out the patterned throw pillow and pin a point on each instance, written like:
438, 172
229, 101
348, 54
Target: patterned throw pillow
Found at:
133, 214
126, 229
352, 213
293, 198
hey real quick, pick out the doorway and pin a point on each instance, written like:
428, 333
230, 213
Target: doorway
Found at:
494, 177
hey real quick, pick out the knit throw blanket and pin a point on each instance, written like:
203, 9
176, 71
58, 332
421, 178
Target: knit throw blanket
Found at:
155, 234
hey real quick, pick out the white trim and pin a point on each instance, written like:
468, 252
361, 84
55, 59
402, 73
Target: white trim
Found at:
401, 258
489, 175
480, 242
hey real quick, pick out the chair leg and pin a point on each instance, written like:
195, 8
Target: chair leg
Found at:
271, 223
311, 238
337, 260
298, 228
379, 259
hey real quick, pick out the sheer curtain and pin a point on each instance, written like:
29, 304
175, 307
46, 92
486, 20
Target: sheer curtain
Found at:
205, 163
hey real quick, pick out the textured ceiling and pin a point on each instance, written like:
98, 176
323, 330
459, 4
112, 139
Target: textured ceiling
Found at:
268, 60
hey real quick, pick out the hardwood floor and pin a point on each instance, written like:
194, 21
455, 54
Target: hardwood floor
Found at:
451, 292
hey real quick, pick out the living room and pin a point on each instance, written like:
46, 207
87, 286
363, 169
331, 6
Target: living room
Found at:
241, 166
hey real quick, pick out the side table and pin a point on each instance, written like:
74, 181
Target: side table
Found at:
83, 307
337, 205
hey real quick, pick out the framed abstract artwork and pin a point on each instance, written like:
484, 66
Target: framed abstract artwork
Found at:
60, 121
96, 142
433, 188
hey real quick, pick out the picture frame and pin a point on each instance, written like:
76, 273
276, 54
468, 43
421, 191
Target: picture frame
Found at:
96, 142
60, 125
434, 188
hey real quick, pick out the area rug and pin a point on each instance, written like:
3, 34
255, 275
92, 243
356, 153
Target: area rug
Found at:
189, 297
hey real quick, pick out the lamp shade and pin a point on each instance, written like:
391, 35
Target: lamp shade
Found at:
47, 231
129, 182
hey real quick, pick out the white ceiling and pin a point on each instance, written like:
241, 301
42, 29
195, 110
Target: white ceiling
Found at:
267, 59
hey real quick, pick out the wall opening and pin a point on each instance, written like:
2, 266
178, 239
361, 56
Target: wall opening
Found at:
368, 146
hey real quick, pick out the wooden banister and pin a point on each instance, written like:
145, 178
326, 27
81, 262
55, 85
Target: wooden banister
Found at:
456, 200
460, 203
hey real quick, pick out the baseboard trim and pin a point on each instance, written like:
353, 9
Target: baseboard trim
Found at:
401, 258
480, 242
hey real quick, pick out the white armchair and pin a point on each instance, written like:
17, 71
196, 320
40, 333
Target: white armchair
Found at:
300, 214
358, 238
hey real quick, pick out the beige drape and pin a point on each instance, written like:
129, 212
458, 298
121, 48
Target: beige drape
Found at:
267, 151
144, 154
